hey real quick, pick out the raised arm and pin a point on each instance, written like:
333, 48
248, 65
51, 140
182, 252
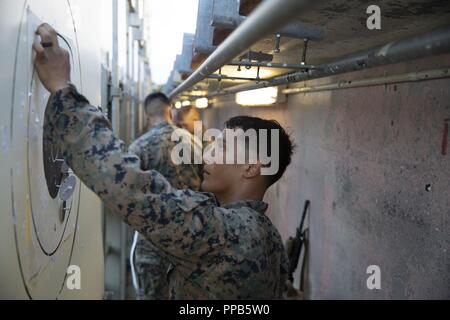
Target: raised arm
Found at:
181, 223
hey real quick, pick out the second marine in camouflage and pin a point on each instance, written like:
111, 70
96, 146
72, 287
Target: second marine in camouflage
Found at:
154, 149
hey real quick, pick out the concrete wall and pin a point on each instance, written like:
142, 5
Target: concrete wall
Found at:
375, 165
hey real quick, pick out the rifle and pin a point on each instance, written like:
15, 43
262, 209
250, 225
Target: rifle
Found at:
296, 244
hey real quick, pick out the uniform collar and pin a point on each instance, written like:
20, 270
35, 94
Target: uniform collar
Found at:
161, 124
162, 127
259, 206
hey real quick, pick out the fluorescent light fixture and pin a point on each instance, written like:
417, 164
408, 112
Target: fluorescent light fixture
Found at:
186, 103
258, 97
198, 93
178, 105
201, 103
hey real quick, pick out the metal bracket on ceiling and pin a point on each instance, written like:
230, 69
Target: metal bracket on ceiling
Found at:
277, 43
220, 77
252, 56
305, 48
257, 74
257, 56
261, 59
282, 65
268, 17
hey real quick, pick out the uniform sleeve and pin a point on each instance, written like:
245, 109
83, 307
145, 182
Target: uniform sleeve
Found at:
284, 271
146, 154
183, 176
134, 149
182, 223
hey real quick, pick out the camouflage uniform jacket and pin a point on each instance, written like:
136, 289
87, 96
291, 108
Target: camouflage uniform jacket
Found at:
219, 252
154, 149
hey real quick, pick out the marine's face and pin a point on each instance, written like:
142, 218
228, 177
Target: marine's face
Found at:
189, 119
218, 177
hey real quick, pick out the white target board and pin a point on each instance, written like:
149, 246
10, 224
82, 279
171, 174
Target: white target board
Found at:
44, 195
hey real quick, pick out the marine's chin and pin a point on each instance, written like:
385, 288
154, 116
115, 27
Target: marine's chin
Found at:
205, 186
208, 183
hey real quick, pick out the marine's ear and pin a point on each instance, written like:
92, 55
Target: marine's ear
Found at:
252, 170
168, 113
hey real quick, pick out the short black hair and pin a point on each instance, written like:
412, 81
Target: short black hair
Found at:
286, 145
156, 96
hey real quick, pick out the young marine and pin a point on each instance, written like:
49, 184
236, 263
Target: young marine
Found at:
221, 243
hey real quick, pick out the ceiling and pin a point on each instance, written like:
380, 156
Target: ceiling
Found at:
345, 24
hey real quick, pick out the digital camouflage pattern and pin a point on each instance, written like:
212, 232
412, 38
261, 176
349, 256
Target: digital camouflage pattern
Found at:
219, 252
154, 150
151, 268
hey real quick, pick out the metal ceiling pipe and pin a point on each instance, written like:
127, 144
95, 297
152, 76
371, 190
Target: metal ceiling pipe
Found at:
432, 43
275, 65
267, 17
397, 78
223, 77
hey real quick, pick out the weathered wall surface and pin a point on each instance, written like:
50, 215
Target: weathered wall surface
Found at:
36, 245
375, 163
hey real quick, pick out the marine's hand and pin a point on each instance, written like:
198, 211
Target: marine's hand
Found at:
52, 62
